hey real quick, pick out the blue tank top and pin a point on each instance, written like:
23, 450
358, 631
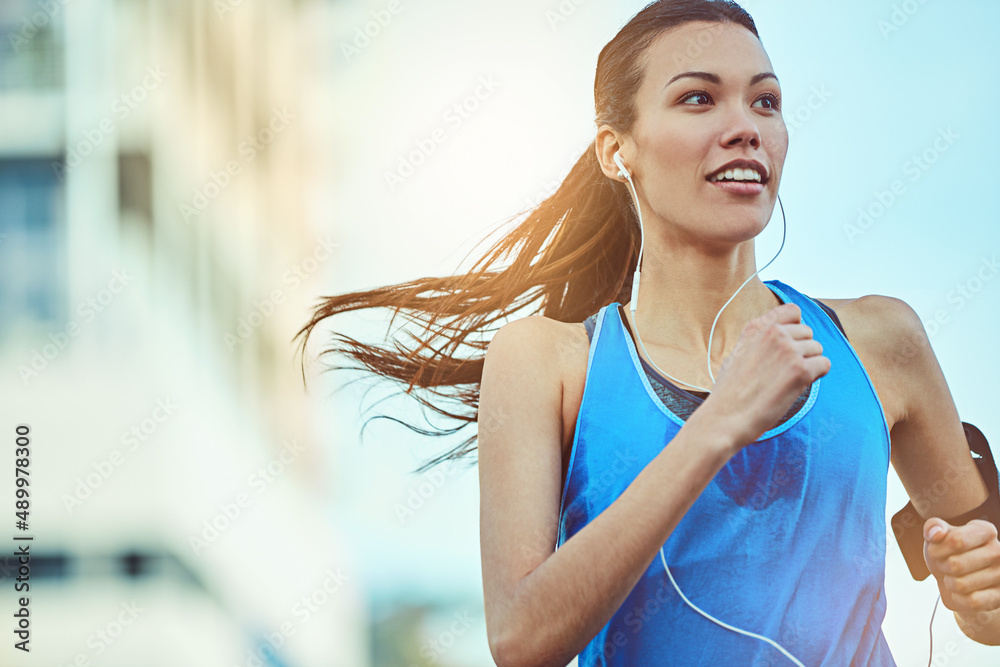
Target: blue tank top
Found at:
786, 541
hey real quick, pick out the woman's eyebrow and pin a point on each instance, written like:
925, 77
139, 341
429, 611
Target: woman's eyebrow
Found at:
714, 78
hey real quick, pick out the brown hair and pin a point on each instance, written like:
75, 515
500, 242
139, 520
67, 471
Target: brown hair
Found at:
587, 264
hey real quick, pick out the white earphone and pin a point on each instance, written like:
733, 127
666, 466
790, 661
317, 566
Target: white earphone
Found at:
624, 173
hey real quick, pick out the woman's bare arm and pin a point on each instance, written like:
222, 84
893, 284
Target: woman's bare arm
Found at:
931, 456
543, 607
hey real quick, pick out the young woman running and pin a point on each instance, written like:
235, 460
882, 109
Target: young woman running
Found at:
679, 463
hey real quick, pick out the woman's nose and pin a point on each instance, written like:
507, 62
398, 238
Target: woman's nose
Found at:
741, 128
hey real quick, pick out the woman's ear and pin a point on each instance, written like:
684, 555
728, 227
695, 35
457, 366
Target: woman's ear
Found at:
607, 143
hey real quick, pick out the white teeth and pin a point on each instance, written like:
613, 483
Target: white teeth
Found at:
738, 174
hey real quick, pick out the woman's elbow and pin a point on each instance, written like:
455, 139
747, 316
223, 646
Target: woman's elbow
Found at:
507, 645
519, 647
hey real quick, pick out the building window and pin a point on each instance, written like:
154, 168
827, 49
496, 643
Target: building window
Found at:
32, 245
31, 51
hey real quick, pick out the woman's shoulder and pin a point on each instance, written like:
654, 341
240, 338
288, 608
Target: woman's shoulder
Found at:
876, 318
887, 334
555, 351
560, 342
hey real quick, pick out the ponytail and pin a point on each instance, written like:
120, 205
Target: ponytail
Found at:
585, 265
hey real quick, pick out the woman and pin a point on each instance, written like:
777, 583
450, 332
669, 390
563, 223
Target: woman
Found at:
774, 536
608, 491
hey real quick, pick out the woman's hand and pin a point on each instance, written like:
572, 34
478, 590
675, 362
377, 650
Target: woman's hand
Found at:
965, 560
773, 361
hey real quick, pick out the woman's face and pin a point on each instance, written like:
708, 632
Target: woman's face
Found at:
709, 98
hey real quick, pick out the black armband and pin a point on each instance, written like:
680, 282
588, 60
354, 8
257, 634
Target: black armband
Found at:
908, 525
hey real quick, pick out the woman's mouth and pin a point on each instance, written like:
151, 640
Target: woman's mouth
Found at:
740, 177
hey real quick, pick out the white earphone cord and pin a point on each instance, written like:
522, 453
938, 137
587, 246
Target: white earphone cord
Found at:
632, 303
635, 285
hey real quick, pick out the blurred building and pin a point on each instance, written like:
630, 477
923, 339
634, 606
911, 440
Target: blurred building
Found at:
160, 240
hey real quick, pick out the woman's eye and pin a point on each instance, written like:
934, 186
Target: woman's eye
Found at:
697, 98
771, 102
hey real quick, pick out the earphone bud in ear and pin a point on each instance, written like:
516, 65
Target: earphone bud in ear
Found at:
622, 171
